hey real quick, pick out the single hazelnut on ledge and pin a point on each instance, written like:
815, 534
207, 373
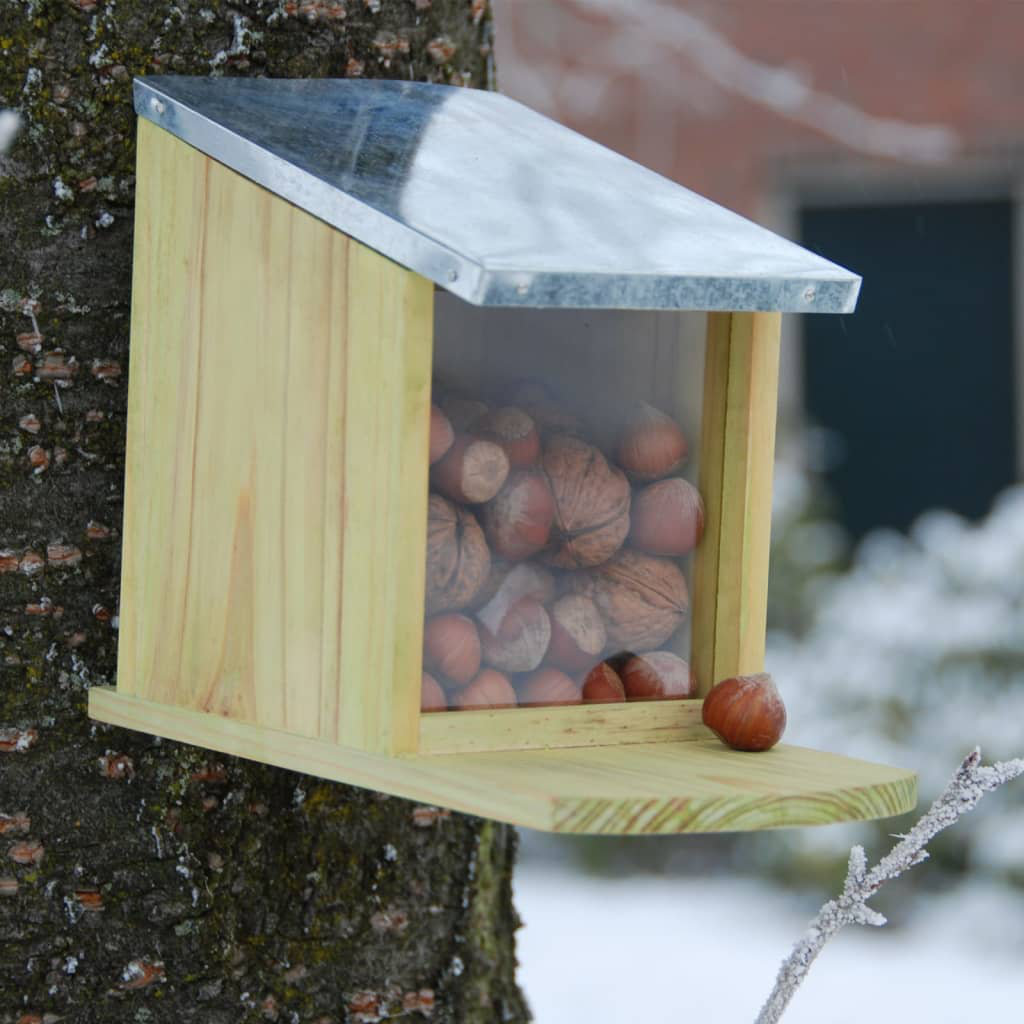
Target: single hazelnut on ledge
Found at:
746, 712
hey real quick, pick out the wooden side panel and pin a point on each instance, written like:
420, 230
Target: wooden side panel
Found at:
253, 442
740, 405
696, 786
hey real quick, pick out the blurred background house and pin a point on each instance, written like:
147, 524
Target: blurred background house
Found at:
889, 136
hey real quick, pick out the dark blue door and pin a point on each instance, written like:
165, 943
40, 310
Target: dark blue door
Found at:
918, 384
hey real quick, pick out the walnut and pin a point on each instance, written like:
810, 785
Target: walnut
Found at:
591, 504
642, 599
458, 560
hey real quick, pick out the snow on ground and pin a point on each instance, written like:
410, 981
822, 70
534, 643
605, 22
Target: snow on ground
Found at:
660, 950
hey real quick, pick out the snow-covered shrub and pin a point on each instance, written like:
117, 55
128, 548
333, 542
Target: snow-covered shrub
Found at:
911, 657
907, 651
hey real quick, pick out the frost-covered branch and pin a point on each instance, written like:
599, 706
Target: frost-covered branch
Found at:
969, 784
10, 122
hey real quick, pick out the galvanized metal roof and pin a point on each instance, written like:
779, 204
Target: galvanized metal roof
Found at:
495, 202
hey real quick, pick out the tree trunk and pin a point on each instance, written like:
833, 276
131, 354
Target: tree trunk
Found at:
141, 880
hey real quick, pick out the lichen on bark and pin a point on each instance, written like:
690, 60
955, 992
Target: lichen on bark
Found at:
142, 880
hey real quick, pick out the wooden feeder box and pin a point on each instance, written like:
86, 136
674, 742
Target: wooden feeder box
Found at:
314, 262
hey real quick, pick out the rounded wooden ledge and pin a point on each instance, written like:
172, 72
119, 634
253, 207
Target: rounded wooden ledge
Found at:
635, 789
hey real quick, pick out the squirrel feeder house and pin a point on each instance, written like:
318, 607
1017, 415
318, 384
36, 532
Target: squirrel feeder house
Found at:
449, 463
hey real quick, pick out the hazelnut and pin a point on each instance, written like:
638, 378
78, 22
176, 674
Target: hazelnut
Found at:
577, 633
547, 687
517, 521
522, 639
658, 675
652, 445
490, 689
545, 408
667, 518
432, 697
516, 432
507, 586
458, 560
471, 471
464, 413
591, 504
451, 647
602, 685
441, 434
642, 599
746, 712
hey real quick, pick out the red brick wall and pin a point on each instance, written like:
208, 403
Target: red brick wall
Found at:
646, 79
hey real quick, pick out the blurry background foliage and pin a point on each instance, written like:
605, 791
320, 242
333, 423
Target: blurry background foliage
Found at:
908, 649
890, 138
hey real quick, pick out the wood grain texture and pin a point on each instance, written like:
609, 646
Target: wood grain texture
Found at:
712, 453
582, 725
695, 786
276, 463
386, 461
740, 402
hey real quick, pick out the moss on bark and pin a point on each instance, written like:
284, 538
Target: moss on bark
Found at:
141, 880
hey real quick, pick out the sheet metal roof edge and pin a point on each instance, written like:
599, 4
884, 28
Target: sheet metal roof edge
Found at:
818, 286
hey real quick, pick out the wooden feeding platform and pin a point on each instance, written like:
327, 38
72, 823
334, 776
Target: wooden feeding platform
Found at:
316, 264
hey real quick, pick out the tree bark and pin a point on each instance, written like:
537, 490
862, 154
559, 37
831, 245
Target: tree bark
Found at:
141, 880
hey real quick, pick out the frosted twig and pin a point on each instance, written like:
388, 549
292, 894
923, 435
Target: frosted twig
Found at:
971, 781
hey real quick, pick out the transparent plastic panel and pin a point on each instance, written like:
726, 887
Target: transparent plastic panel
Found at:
564, 511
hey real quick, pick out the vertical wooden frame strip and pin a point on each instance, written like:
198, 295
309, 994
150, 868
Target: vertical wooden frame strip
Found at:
387, 428
737, 456
712, 448
163, 388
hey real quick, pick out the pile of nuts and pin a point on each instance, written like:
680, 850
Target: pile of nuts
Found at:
553, 572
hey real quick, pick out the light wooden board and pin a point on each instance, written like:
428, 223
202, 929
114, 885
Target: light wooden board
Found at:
696, 786
275, 518
581, 725
738, 452
712, 448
